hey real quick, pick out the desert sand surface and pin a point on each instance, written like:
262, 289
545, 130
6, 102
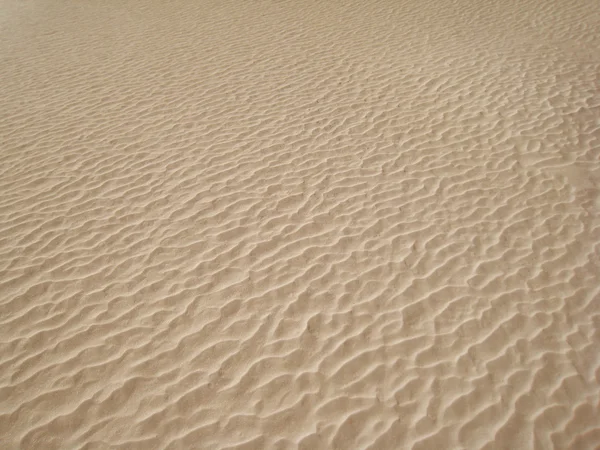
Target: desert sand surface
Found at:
299, 224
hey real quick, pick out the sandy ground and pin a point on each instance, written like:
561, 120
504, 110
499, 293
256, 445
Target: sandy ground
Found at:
299, 224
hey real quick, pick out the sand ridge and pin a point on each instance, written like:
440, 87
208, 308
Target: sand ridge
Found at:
276, 224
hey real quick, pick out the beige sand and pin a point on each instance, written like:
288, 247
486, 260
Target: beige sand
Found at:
299, 224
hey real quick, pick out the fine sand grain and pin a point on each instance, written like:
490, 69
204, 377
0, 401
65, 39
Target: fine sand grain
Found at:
252, 224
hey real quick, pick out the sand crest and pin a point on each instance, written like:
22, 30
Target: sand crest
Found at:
299, 224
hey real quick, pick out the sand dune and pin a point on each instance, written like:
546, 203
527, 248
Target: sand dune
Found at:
299, 224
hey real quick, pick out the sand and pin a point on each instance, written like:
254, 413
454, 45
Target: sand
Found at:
299, 224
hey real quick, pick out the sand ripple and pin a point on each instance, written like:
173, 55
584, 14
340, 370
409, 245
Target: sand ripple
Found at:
299, 224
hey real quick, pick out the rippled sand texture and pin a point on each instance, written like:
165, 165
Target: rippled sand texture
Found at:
299, 224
